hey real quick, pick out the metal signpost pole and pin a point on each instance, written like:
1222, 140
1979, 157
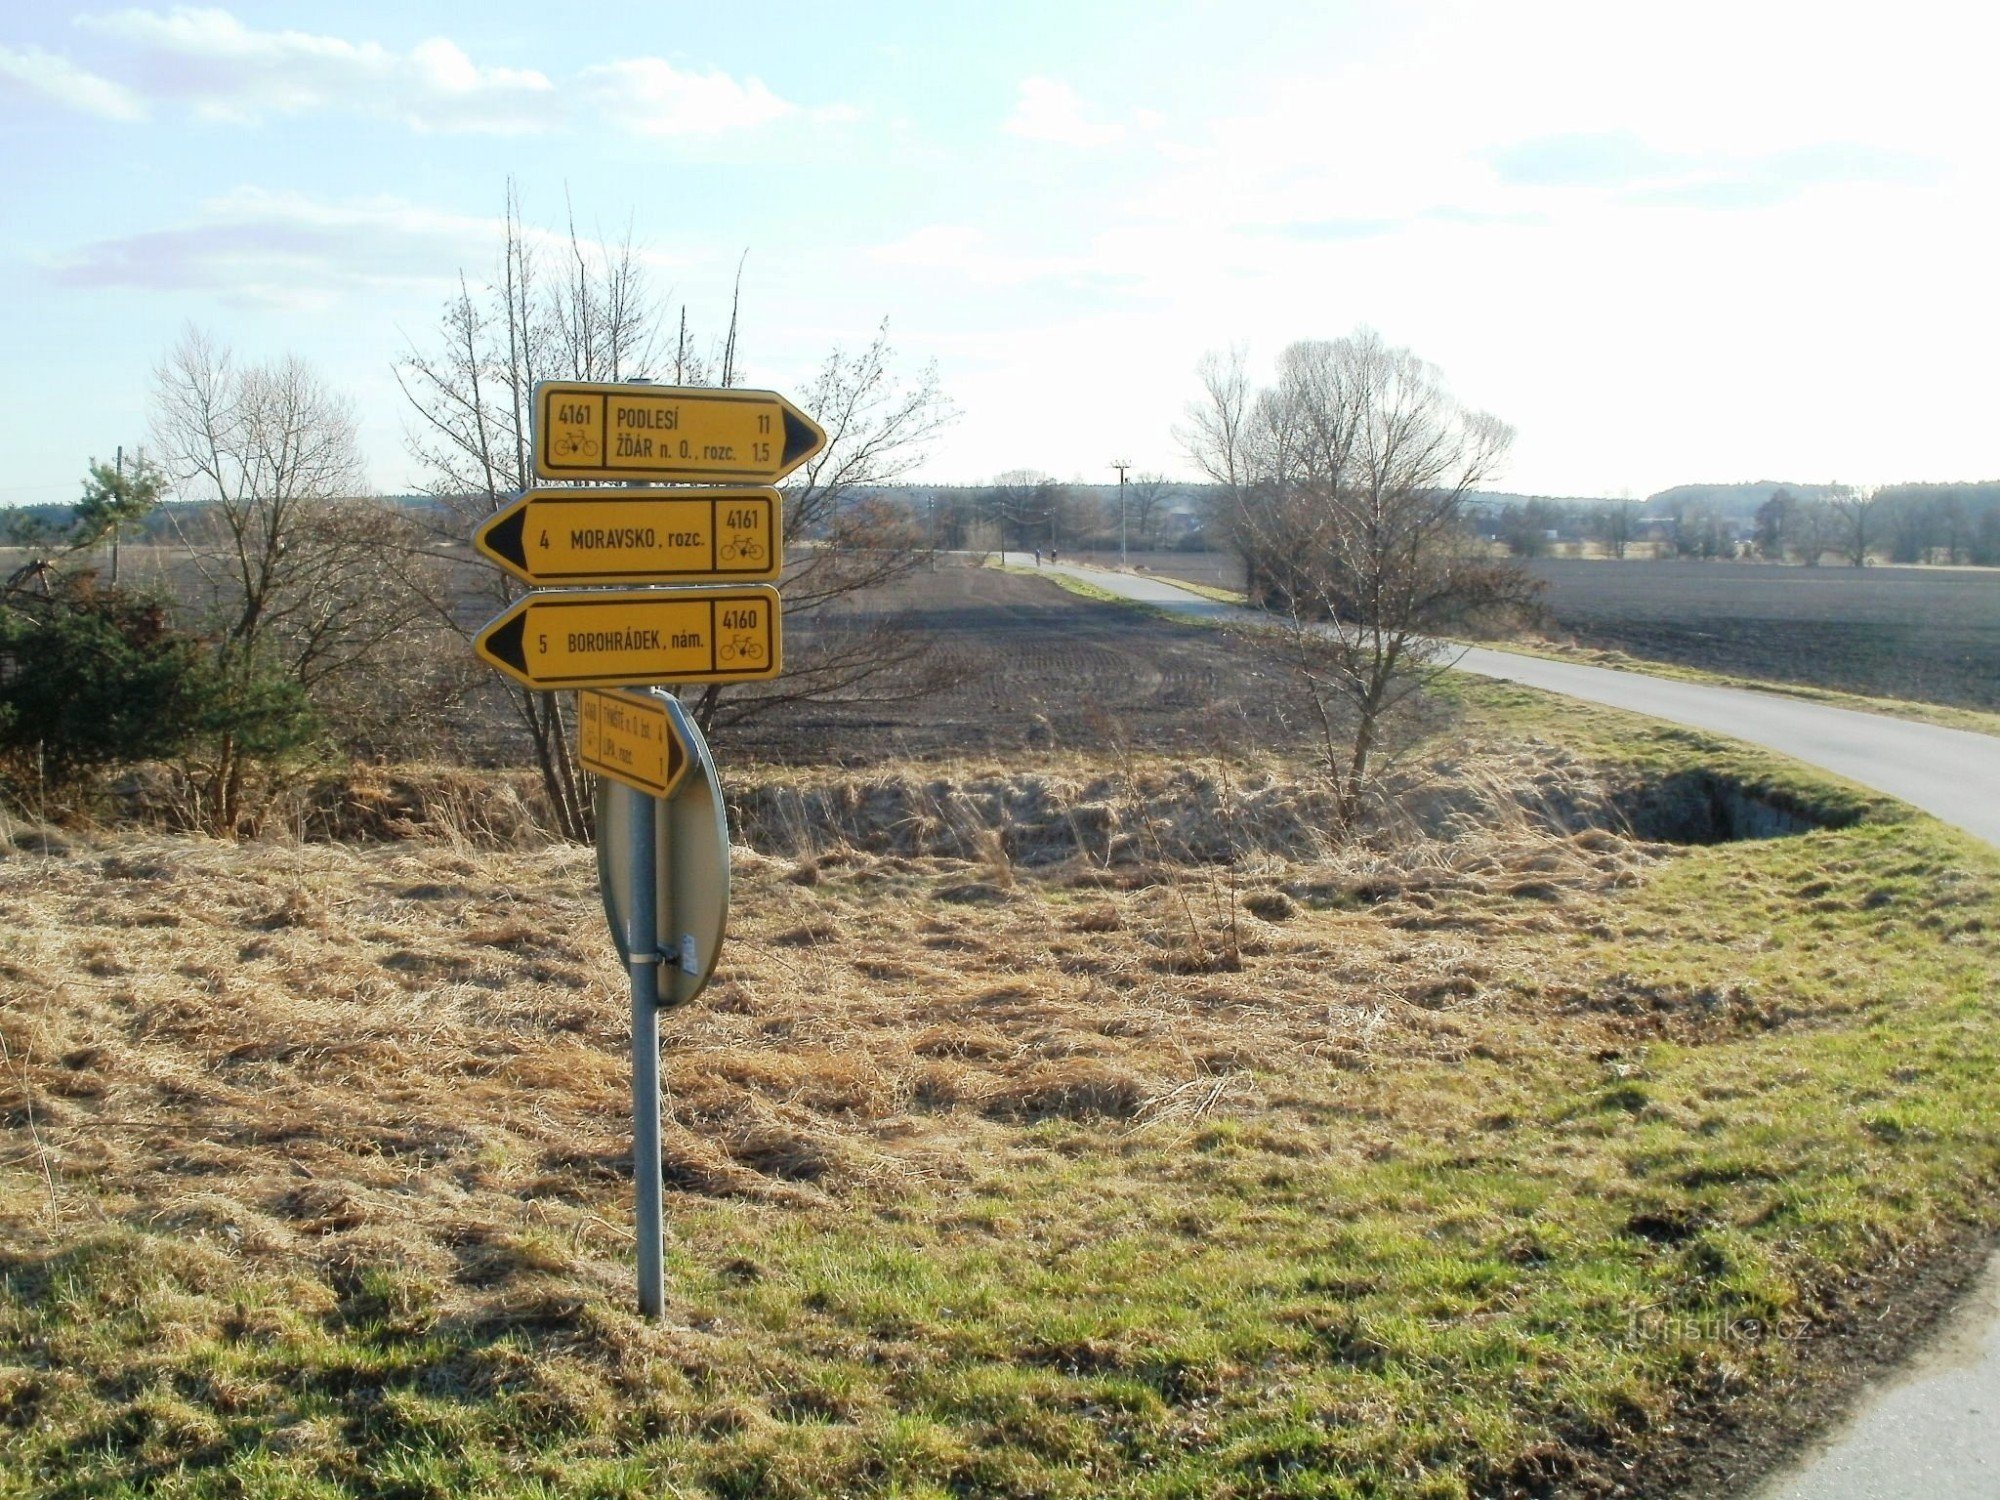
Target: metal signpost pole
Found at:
642, 959
638, 812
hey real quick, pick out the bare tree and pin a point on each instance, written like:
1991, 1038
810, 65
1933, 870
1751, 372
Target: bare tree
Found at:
1024, 506
295, 568
554, 310
573, 309
1811, 531
1084, 517
843, 542
1347, 484
959, 520
1700, 530
1915, 524
1217, 438
1773, 523
1146, 500
1855, 515
1613, 524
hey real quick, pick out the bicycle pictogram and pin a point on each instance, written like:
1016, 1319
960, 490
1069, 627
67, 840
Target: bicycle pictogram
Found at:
745, 551
575, 445
744, 648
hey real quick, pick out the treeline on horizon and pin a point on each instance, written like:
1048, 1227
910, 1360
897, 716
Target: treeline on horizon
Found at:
1915, 522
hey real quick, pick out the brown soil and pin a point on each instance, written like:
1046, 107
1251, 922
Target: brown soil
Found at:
1046, 670
1929, 634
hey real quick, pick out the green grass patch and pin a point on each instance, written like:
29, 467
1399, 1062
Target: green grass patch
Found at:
1069, 583
1209, 591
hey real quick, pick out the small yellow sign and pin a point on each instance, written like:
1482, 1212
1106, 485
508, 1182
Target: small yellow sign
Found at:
635, 431
630, 738
635, 637
635, 536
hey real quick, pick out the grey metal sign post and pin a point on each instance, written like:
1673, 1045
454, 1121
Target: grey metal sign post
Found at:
627, 825
663, 866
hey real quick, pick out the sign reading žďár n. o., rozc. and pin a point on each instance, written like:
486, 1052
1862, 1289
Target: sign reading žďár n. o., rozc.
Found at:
589, 430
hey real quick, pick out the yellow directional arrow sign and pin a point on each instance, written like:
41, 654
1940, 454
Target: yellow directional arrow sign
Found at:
602, 431
636, 536
629, 737
635, 637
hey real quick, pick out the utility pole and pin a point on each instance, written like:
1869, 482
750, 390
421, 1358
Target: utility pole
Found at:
1121, 465
115, 525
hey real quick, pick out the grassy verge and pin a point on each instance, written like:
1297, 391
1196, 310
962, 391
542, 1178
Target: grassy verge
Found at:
1479, 1166
1205, 590
1085, 589
1069, 583
1901, 708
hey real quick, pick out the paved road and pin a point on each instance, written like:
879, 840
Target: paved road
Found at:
1952, 774
1931, 1429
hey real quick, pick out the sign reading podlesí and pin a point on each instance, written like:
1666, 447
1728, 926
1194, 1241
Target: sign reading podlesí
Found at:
590, 430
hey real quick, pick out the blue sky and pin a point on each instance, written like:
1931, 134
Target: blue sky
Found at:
1667, 243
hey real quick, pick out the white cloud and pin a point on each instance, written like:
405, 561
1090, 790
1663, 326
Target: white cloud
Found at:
290, 251
225, 70
287, 249
30, 70
212, 62
1049, 110
649, 96
1562, 106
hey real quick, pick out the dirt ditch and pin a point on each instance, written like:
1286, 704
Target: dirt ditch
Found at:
1708, 807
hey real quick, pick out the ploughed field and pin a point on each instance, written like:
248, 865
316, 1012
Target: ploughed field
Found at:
1930, 634
1041, 669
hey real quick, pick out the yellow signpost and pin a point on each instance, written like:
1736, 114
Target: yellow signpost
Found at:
586, 430
630, 738
662, 831
637, 536
635, 637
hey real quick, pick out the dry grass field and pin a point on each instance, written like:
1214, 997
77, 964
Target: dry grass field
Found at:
1076, 1124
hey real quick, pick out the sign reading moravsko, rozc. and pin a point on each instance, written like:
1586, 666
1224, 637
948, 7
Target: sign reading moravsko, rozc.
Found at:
630, 738
635, 637
637, 536
605, 431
